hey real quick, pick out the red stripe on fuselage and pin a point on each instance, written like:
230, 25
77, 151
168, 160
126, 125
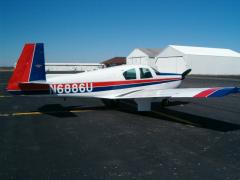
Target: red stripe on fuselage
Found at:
206, 93
122, 82
126, 82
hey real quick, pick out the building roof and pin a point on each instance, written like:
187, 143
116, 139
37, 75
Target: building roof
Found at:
206, 51
115, 61
151, 52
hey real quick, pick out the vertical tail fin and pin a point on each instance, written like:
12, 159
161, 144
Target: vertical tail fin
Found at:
30, 66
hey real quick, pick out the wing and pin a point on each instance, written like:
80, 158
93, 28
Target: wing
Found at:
179, 93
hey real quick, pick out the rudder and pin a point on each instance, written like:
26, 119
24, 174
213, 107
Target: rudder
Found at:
38, 64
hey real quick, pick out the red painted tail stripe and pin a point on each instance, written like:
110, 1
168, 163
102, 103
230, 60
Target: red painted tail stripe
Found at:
23, 67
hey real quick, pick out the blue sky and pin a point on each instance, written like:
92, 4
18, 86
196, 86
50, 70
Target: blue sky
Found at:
95, 30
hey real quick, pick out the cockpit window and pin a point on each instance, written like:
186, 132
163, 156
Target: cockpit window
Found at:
130, 74
145, 73
156, 71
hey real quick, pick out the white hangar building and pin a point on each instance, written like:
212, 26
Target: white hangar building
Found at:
145, 56
205, 61
202, 60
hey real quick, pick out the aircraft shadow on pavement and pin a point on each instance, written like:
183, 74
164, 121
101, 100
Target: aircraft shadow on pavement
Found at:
60, 111
185, 118
198, 121
166, 114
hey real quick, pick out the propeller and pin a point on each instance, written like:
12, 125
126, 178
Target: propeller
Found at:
186, 73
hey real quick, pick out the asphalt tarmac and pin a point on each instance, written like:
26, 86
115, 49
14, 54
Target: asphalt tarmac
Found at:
49, 138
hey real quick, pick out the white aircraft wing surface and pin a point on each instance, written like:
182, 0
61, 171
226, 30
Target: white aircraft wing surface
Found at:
179, 93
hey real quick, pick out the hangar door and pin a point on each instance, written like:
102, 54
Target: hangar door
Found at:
171, 64
137, 60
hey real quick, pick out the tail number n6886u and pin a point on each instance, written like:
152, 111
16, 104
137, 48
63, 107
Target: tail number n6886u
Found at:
71, 88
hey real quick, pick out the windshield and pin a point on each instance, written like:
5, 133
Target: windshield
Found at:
156, 71
145, 73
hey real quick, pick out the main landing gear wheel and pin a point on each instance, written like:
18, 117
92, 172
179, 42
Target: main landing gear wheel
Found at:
165, 102
109, 103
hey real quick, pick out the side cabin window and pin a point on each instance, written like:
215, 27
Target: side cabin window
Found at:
130, 74
145, 73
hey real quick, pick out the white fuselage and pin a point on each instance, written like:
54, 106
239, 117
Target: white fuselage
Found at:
111, 82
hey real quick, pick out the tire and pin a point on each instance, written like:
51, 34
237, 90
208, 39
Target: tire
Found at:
109, 103
165, 102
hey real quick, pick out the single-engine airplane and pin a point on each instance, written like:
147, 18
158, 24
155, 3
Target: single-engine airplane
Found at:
141, 83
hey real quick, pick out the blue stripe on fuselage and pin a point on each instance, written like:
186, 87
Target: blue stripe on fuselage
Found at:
107, 88
169, 74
